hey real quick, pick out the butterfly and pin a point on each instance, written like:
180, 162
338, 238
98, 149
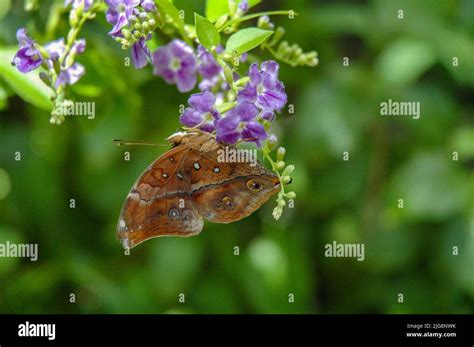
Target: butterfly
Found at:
189, 183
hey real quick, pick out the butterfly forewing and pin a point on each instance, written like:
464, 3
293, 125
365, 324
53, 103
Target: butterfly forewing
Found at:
158, 204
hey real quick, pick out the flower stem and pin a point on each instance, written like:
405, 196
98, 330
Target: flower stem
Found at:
266, 155
255, 15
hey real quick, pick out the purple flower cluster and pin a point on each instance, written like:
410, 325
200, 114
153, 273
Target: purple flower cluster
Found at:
177, 64
123, 14
120, 12
264, 89
29, 58
256, 105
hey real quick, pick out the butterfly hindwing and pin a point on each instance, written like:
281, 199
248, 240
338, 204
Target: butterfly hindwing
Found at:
159, 203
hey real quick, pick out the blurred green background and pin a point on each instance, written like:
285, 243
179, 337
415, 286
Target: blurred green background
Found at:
407, 250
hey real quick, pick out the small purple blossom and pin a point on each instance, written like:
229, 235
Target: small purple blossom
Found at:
118, 14
28, 57
140, 54
264, 89
68, 74
240, 123
149, 5
79, 46
71, 75
202, 112
243, 6
176, 63
208, 66
55, 49
76, 3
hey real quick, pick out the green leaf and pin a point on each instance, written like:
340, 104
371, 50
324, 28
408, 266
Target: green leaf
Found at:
216, 8
246, 39
28, 86
171, 10
206, 32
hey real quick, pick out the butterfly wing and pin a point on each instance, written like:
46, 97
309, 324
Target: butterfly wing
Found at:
226, 192
190, 182
159, 203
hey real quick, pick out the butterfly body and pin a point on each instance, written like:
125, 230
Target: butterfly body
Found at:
188, 184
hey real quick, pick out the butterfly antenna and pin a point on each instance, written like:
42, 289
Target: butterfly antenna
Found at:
250, 139
119, 142
195, 128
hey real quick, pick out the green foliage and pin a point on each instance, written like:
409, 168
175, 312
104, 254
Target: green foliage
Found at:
246, 39
206, 32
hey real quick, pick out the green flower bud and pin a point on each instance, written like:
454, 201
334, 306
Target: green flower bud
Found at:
242, 81
276, 37
126, 33
279, 165
264, 23
45, 78
280, 153
232, 7
221, 21
73, 18
277, 212
80, 9
286, 179
282, 48
290, 195
229, 76
288, 170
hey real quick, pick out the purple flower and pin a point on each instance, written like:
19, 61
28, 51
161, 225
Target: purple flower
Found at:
140, 54
79, 46
264, 89
202, 112
240, 123
208, 66
76, 3
68, 74
176, 63
243, 6
148, 5
219, 49
118, 13
28, 57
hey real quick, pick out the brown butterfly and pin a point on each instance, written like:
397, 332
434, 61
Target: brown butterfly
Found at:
188, 184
